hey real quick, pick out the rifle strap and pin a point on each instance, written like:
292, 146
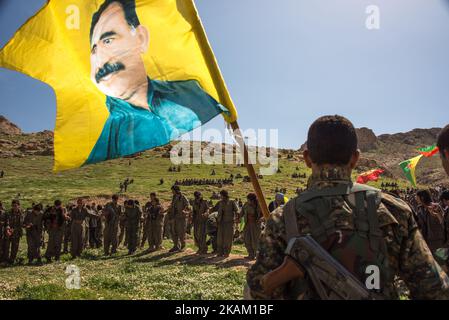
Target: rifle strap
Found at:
290, 220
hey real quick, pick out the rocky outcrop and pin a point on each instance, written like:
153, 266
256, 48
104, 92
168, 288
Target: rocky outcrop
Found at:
14, 143
367, 140
415, 138
7, 127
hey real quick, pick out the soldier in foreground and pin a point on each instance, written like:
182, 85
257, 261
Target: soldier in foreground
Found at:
357, 225
111, 212
443, 145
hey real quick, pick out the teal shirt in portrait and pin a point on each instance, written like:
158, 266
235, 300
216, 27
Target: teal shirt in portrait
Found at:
177, 107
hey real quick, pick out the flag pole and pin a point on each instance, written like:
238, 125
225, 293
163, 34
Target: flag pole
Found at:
250, 168
225, 99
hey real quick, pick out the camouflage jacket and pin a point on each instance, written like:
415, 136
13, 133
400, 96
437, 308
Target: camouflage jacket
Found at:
407, 253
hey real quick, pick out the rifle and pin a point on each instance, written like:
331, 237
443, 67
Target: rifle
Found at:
330, 279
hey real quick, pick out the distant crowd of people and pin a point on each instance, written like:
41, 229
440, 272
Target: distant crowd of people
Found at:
203, 182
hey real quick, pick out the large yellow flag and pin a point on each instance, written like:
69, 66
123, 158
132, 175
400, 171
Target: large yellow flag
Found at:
129, 75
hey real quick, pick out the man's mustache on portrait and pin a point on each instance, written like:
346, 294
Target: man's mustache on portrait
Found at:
107, 69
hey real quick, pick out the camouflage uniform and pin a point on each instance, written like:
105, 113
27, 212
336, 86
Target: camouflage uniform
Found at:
178, 220
406, 252
33, 226
14, 221
112, 213
251, 232
200, 212
133, 215
227, 212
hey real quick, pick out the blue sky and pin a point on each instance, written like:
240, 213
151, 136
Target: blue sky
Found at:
286, 62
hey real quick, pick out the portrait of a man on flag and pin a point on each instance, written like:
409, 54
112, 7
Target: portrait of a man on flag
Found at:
143, 113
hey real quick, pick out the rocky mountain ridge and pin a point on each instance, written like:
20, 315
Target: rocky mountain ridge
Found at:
385, 151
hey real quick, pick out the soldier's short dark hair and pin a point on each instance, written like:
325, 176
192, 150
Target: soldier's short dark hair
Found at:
15, 201
176, 188
152, 194
197, 194
129, 8
114, 197
331, 140
443, 140
58, 202
37, 207
425, 196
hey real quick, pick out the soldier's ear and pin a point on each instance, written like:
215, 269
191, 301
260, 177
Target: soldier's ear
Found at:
307, 159
354, 159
